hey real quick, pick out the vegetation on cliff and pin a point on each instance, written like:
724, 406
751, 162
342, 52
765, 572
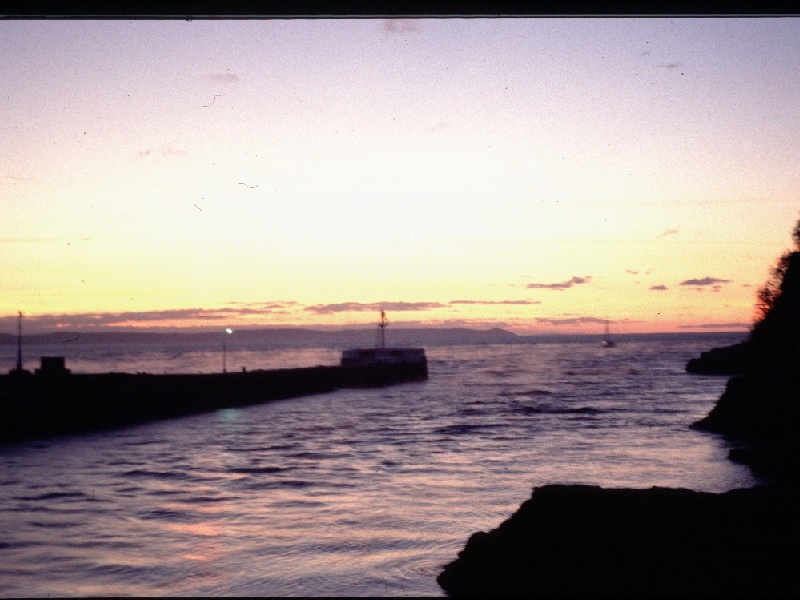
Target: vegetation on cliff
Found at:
774, 340
776, 333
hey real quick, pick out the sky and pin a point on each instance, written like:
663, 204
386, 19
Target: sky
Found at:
542, 175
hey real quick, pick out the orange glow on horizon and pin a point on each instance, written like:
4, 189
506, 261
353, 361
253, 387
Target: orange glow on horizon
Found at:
471, 191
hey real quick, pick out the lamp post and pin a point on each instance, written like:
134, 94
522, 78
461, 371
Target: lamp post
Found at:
225, 333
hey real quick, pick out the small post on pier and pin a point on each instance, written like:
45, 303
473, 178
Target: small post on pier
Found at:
19, 342
382, 331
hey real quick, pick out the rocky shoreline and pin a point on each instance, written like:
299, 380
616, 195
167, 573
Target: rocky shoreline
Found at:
762, 414
730, 360
760, 407
588, 541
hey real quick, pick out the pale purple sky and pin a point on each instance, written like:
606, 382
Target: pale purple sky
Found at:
171, 165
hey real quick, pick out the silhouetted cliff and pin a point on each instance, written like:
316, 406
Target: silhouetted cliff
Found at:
761, 406
774, 342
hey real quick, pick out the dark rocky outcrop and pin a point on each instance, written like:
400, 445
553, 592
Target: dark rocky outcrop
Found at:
762, 413
729, 360
761, 406
586, 541
773, 347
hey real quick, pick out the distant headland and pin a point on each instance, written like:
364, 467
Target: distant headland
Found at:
276, 336
295, 337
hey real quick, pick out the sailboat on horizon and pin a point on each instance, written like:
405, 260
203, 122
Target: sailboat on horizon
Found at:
607, 341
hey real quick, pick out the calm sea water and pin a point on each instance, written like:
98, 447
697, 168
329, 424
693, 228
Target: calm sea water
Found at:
352, 493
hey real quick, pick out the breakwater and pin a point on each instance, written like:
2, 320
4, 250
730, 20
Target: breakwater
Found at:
43, 405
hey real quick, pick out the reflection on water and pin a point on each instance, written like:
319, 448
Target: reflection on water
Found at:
356, 492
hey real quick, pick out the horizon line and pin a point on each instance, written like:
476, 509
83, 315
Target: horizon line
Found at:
333, 329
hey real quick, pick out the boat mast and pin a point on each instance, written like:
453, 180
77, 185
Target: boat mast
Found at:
19, 342
382, 331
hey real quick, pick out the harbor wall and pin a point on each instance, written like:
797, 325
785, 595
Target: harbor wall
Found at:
37, 406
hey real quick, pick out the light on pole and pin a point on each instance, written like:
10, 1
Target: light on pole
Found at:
225, 335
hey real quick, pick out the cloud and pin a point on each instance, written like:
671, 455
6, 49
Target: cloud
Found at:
264, 306
560, 286
161, 315
660, 287
631, 272
399, 25
372, 307
9, 177
166, 151
139, 319
495, 302
398, 306
570, 321
445, 322
194, 318
225, 77
170, 151
705, 281
717, 326
667, 232
671, 65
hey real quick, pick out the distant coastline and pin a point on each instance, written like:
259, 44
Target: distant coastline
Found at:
306, 337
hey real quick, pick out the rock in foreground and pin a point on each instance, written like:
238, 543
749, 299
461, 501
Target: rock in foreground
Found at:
572, 540
761, 411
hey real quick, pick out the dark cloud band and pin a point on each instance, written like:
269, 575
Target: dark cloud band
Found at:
570, 321
705, 281
490, 302
372, 307
560, 286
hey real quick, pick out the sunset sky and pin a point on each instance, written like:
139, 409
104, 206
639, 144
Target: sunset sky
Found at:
541, 175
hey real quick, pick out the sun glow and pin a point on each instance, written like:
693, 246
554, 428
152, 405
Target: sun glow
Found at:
408, 169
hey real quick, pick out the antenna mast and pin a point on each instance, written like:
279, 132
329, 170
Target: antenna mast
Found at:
382, 331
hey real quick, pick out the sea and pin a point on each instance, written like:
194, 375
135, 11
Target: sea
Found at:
357, 492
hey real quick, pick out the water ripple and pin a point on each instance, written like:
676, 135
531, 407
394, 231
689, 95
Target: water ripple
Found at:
358, 492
